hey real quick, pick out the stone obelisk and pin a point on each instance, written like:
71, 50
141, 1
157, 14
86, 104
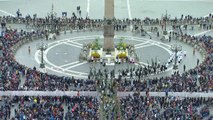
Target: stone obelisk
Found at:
108, 26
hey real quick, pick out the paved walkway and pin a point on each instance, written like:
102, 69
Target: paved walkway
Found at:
94, 93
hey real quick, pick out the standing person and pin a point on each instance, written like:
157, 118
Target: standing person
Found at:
78, 94
80, 13
3, 24
78, 9
46, 35
158, 34
18, 13
198, 62
193, 51
29, 50
147, 92
166, 93
184, 68
170, 37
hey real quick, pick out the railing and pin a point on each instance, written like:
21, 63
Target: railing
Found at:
95, 94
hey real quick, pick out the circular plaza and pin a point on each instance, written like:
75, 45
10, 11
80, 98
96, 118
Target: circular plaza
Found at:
106, 59
62, 55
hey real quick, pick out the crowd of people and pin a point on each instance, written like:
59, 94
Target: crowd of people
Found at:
134, 107
79, 23
81, 107
10, 76
39, 81
198, 79
5, 108
48, 108
137, 107
13, 72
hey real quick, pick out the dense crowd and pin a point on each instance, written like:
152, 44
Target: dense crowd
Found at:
164, 108
134, 107
49, 108
79, 23
39, 81
10, 75
80, 107
12, 72
5, 108
198, 79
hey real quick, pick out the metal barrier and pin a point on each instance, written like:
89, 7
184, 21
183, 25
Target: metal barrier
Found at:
95, 93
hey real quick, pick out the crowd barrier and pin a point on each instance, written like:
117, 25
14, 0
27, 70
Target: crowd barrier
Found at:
95, 94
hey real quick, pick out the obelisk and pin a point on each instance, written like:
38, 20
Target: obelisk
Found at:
108, 26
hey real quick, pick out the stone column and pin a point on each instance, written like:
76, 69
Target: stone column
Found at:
108, 26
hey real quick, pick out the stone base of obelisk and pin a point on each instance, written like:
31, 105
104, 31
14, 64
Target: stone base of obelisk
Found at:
108, 38
108, 44
109, 47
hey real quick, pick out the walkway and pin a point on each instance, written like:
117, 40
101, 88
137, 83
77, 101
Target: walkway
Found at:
94, 93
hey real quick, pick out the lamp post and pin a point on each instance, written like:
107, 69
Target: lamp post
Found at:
176, 48
165, 18
42, 47
52, 16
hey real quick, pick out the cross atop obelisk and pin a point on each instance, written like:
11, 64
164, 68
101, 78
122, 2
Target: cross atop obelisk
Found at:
108, 26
